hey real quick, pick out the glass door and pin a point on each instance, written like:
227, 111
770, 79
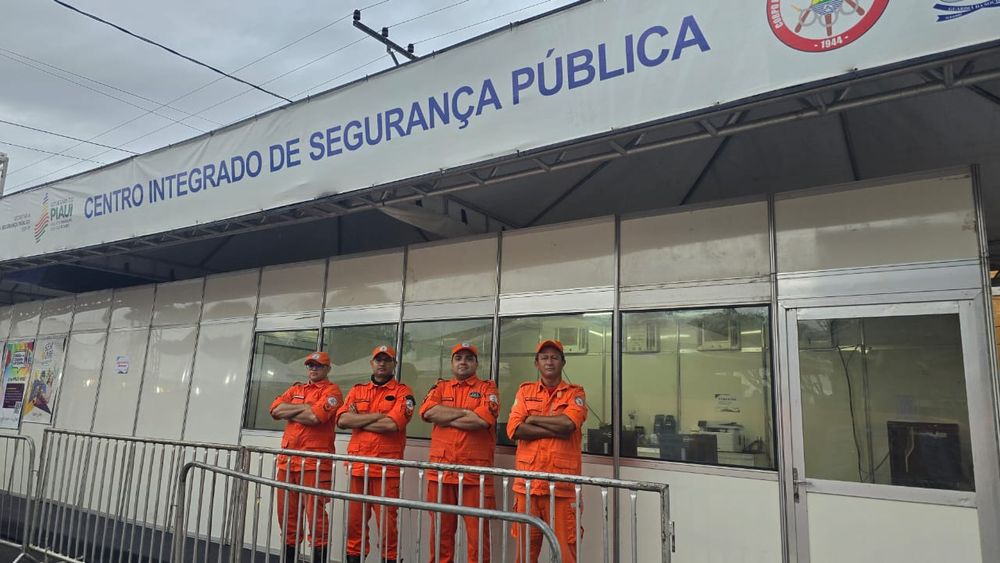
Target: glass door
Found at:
882, 465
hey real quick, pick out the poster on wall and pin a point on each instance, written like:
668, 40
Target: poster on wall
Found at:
43, 385
17, 357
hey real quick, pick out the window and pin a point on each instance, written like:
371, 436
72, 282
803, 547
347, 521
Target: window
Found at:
884, 401
587, 341
696, 386
426, 356
277, 363
350, 349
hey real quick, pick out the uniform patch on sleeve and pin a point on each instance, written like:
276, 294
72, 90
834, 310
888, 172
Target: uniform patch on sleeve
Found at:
410, 404
579, 401
475, 395
331, 401
493, 399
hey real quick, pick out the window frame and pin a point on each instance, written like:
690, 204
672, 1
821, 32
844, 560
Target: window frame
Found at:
614, 394
768, 352
244, 427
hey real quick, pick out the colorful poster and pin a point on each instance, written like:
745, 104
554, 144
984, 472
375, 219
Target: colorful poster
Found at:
17, 357
43, 386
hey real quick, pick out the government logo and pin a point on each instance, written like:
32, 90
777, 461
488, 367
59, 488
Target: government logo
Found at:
816, 26
53, 215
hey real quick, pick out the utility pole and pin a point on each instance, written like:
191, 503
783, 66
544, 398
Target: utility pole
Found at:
391, 47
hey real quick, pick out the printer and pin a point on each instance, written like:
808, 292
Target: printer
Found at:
728, 435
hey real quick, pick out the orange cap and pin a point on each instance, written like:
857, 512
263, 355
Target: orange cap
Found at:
549, 343
321, 358
383, 349
465, 346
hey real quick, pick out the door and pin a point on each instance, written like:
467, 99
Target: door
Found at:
888, 423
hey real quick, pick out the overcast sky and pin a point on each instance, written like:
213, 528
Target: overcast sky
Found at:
65, 73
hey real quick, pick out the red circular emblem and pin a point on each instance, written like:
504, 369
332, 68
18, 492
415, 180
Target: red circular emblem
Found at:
816, 26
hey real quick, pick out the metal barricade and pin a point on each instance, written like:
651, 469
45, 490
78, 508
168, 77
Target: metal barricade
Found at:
108, 498
182, 531
17, 479
260, 463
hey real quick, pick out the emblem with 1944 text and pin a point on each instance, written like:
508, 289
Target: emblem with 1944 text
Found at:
816, 26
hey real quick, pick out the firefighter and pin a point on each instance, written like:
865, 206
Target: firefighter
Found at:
547, 420
463, 410
307, 409
377, 413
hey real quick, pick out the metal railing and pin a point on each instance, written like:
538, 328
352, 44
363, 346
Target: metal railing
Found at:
268, 487
109, 498
17, 480
258, 462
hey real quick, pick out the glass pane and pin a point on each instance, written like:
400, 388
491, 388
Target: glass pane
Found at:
672, 247
452, 270
426, 356
587, 341
696, 386
884, 401
350, 349
277, 363
570, 255
918, 221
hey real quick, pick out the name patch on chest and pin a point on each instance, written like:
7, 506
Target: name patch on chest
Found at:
475, 395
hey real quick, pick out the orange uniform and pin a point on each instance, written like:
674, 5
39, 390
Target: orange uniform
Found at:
462, 447
324, 398
549, 455
395, 400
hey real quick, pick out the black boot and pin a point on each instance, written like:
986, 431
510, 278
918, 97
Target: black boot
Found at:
290, 553
353, 559
319, 555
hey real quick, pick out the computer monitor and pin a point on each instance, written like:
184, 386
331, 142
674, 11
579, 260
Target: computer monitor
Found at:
698, 448
925, 454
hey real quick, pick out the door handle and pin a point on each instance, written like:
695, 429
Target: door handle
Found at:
796, 483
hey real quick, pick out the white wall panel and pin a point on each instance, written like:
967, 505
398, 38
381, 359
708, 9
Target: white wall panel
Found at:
57, 315
452, 270
370, 279
119, 392
857, 529
178, 303
165, 382
215, 408
24, 320
719, 519
292, 288
716, 243
132, 307
566, 256
81, 376
229, 296
5, 316
92, 311
917, 221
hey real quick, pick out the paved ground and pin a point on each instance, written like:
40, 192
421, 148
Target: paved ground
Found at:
8, 554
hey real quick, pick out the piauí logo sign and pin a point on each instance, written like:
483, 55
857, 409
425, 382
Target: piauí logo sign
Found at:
816, 26
953, 9
54, 215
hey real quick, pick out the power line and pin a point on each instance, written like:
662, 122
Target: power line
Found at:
301, 67
89, 79
198, 89
463, 28
46, 131
49, 152
92, 89
432, 12
167, 49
